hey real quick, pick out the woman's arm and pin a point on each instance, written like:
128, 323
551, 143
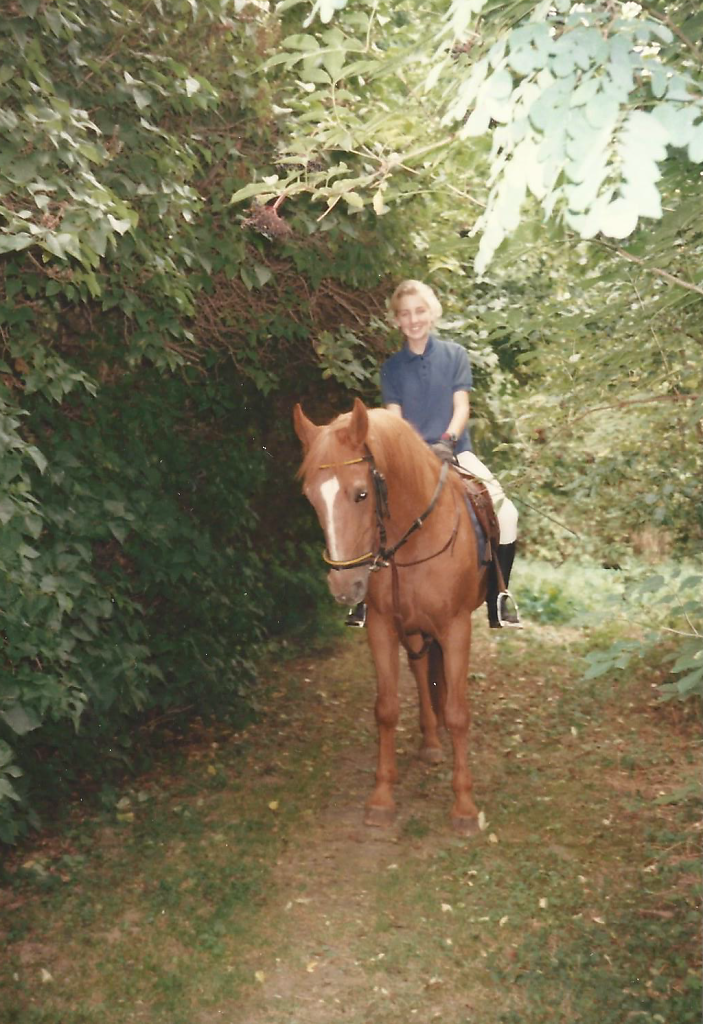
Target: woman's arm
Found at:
460, 416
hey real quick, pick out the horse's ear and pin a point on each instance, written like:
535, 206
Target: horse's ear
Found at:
304, 428
359, 425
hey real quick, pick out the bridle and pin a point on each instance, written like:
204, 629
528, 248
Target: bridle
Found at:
385, 557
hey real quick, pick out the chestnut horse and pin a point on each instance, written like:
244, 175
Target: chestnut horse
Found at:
378, 488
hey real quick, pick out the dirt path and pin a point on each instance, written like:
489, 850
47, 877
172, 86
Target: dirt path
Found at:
384, 925
330, 876
243, 888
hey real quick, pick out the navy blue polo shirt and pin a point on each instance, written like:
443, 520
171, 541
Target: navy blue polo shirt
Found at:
423, 386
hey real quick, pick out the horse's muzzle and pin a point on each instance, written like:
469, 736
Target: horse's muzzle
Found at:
348, 586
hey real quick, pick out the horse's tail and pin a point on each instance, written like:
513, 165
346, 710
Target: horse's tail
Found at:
436, 680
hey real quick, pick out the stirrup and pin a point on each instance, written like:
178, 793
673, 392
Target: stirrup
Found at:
356, 616
508, 615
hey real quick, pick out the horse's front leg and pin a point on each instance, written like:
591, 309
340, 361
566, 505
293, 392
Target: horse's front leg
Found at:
380, 806
456, 645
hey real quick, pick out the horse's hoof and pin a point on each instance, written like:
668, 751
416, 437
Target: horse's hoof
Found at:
465, 826
379, 817
431, 755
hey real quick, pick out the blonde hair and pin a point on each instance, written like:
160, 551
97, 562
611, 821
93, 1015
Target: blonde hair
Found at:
411, 287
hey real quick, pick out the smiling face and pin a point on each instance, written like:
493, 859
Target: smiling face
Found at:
415, 319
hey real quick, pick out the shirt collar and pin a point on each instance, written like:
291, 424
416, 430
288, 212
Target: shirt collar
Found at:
409, 355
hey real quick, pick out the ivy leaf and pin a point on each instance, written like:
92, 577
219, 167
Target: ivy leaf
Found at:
21, 719
118, 531
37, 457
354, 200
263, 274
254, 188
15, 242
7, 510
120, 226
7, 790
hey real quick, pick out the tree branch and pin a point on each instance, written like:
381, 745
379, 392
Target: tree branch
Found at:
634, 401
671, 278
665, 19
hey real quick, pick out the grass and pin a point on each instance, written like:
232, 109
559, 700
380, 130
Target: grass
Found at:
235, 882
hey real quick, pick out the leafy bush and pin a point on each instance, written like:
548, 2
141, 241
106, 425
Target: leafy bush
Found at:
569, 592
667, 603
140, 579
632, 615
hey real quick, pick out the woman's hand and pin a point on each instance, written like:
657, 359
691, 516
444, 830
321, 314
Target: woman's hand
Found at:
444, 450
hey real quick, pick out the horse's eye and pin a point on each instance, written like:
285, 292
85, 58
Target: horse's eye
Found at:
361, 496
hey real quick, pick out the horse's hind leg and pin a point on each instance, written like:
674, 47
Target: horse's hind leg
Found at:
456, 644
429, 678
380, 806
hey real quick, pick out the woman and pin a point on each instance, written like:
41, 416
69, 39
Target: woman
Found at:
427, 383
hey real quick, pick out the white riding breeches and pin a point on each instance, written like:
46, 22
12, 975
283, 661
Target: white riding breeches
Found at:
505, 510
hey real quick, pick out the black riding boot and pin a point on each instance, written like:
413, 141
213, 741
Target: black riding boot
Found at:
502, 609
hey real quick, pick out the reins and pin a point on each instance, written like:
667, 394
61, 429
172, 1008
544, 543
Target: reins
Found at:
385, 557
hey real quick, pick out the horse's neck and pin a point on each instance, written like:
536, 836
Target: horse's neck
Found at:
409, 496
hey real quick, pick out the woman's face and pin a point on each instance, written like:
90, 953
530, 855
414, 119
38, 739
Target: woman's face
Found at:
413, 317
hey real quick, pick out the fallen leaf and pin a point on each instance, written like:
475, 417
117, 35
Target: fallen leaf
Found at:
447, 908
273, 805
211, 770
312, 966
260, 977
543, 903
503, 921
493, 838
45, 976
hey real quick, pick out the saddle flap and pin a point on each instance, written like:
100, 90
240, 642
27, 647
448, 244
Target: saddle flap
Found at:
484, 510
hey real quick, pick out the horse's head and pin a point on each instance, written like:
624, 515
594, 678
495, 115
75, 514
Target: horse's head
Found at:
337, 481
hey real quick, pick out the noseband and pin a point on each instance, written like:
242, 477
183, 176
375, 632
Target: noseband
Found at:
384, 555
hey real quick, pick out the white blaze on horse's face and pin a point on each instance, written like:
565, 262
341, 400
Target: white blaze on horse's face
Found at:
329, 491
345, 508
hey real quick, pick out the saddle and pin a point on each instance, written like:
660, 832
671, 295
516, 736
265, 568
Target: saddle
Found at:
484, 515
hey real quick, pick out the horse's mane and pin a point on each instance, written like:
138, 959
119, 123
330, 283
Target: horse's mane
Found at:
397, 449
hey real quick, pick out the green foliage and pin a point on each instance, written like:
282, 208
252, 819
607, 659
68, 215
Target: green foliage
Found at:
586, 105
154, 333
597, 387
152, 536
571, 592
143, 586
670, 605
588, 109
